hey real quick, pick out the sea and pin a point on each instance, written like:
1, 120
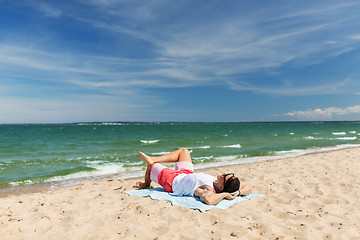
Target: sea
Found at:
58, 155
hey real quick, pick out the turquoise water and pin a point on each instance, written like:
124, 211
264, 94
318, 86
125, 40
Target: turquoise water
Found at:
31, 154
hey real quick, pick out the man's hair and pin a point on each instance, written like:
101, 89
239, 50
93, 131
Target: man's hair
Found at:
232, 185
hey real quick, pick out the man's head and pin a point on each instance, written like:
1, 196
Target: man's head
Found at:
227, 183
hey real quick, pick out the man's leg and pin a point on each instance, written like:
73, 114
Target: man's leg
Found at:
146, 183
181, 155
149, 162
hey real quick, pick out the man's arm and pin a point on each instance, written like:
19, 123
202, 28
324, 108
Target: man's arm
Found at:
245, 190
208, 196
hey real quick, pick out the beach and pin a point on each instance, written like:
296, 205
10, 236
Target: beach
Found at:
314, 196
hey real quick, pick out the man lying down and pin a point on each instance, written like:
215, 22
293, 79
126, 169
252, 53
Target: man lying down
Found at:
182, 180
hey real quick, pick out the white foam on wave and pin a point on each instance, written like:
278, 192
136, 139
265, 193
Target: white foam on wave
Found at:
160, 153
232, 146
309, 138
203, 158
100, 170
339, 133
226, 158
112, 124
102, 124
346, 138
149, 141
200, 147
72, 176
20, 182
291, 153
337, 138
352, 132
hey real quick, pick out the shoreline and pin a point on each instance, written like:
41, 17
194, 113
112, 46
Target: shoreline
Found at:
54, 185
313, 196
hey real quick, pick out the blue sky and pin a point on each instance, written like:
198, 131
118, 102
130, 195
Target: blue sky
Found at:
107, 60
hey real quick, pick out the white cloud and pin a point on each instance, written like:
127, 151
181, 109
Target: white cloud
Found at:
355, 37
288, 90
326, 113
47, 9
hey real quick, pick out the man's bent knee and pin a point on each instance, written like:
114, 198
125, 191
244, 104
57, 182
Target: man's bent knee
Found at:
184, 155
185, 151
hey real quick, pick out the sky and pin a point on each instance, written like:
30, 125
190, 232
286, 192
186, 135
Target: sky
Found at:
162, 60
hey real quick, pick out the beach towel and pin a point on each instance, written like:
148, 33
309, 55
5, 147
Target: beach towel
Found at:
187, 201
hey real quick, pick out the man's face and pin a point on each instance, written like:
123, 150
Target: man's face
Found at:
222, 178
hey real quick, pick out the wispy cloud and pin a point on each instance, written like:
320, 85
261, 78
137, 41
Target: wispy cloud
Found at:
325, 113
286, 90
47, 9
355, 37
301, 11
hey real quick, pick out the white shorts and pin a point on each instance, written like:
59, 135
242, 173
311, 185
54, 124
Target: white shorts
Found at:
157, 167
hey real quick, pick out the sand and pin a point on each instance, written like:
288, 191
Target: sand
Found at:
309, 197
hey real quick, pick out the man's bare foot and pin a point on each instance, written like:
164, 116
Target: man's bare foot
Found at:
146, 159
142, 185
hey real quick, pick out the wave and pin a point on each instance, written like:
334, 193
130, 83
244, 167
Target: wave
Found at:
232, 146
315, 138
160, 153
100, 170
102, 124
346, 138
309, 138
149, 141
339, 133
338, 138
23, 182
226, 158
200, 147
201, 159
